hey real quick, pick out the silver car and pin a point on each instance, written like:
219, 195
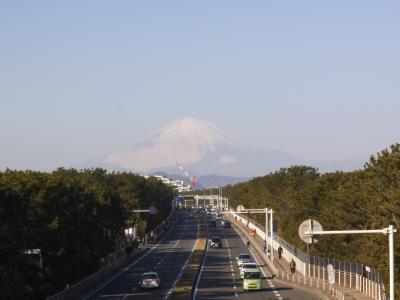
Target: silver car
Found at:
247, 266
243, 258
150, 280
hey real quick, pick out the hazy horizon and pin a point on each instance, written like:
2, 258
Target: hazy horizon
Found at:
79, 80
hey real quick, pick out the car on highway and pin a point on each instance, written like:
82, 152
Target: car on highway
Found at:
227, 224
215, 242
244, 258
223, 221
150, 280
252, 279
220, 216
246, 266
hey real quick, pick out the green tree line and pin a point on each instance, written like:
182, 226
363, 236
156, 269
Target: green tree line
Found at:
74, 218
364, 199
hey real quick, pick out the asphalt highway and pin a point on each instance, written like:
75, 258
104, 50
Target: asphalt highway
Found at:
166, 258
220, 275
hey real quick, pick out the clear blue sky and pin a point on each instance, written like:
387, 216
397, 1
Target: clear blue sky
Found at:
78, 79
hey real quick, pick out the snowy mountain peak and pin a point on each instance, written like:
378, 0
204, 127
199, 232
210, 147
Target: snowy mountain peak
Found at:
194, 132
201, 147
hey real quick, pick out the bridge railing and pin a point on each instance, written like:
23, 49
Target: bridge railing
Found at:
347, 274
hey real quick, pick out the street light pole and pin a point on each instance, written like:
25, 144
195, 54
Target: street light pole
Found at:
266, 232
386, 231
391, 231
270, 229
272, 235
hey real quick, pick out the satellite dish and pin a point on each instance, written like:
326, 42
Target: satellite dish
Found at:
309, 225
240, 208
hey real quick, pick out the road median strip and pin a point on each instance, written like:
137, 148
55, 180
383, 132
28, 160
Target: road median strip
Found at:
183, 289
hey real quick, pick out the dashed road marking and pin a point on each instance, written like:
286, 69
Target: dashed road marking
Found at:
231, 263
127, 268
184, 266
274, 290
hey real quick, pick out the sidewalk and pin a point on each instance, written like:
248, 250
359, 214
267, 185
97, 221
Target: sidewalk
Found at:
280, 268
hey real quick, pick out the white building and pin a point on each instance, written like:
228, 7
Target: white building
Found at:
176, 184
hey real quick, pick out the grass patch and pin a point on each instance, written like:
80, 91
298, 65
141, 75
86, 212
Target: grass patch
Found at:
184, 286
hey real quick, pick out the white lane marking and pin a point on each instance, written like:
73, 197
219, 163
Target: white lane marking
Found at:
155, 267
126, 296
230, 261
201, 269
184, 266
130, 266
255, 258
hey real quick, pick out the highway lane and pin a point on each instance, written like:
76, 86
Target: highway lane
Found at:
167, 259
217, 279
220, 276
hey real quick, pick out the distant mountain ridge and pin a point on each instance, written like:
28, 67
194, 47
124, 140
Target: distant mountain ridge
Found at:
202, 148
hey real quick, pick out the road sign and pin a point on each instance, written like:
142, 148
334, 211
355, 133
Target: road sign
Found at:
152, 210
309, 225
331, 274
240, 208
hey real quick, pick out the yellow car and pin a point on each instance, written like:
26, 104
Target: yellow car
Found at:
252, 279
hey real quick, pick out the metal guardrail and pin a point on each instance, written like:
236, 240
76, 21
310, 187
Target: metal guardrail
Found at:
76, 290
344, 266
311, 282
347, 274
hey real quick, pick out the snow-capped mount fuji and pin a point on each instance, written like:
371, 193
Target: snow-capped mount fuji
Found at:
202, 148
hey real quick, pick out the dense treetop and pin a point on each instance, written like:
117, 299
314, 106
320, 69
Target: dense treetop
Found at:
74, 218
363, 199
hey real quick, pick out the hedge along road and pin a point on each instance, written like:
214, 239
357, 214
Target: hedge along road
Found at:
220, 275
167, 259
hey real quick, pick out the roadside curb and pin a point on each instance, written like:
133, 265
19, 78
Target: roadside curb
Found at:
183, 289
199, 271
93, 283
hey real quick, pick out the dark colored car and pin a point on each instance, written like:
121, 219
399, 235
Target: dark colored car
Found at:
215, 242
212, 224
227, 224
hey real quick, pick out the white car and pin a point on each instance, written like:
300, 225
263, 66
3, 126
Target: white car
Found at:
244, 258
247, 266
150, 280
